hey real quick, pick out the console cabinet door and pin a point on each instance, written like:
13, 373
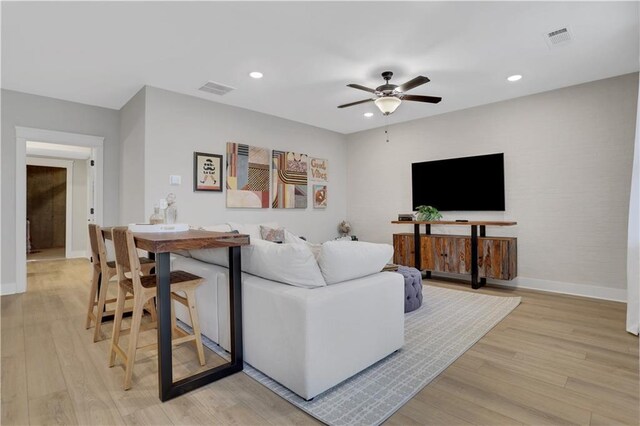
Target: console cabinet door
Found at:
497, 258
403, 250
463, 255
445, 258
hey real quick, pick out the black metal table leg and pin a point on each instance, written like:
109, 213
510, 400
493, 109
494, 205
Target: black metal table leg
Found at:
427, 231
483, 233
474, 257
163, 306
167, 388
417, 257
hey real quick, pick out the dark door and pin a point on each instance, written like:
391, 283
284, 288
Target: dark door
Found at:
46, 206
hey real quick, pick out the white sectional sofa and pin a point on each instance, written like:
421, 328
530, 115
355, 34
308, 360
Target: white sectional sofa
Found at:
307, 339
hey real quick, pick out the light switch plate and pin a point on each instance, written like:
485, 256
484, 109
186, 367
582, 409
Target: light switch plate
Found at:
175, 180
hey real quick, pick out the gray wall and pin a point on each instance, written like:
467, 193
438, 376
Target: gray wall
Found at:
132, 155
21, 109
177, 125
568, 157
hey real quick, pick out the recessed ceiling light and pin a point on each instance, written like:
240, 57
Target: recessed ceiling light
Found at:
368, 114
514, 77
255, 74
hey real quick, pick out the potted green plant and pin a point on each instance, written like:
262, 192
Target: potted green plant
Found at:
427, 213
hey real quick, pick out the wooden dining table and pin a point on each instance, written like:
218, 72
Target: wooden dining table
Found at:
159, 246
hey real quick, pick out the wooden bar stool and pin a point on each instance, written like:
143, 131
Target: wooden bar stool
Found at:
144, 290
103, 272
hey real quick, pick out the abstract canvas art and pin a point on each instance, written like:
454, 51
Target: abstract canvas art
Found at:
247, 176
289, 180
319, 196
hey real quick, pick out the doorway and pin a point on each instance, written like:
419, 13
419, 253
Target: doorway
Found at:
46, 212
63, 141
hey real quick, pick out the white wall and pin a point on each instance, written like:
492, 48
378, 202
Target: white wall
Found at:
177, 125
568, 156
132, 155
79, 215
21, 109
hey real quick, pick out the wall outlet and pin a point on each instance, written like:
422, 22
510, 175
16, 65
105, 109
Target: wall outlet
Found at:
175, 180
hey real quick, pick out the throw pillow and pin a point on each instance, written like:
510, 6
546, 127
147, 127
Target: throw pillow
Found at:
275, 235
251, 229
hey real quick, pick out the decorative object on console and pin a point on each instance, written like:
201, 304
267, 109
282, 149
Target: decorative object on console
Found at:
156, 216
171, 212
408, 217
319, 196
319, 168
289, 180
275, 235
428, 213
344, 228
247, 176
158, 227
207, 172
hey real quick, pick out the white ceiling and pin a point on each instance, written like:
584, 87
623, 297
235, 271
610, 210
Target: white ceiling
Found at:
102, 53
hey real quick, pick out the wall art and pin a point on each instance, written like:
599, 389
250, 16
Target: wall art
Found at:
207, 172
319, 169
247, 176
289, 180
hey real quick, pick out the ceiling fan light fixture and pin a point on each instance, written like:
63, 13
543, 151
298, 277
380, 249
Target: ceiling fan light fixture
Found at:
387, 104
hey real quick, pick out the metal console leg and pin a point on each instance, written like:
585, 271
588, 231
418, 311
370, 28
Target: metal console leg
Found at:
474, 257
169, 389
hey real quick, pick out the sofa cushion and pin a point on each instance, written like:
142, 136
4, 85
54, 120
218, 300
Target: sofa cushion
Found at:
217, 256
346, 260
292, 264
294, 239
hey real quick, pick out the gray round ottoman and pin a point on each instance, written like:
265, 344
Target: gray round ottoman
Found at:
412, 288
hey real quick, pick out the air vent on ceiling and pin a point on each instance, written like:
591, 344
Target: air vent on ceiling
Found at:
216, 88
559, 36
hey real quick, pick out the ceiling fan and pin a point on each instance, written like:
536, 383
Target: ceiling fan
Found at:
389, 96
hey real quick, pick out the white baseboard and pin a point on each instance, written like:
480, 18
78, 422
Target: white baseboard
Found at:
7, 288
574, 289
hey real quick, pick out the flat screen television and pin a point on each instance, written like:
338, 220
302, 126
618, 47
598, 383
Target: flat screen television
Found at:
468, 183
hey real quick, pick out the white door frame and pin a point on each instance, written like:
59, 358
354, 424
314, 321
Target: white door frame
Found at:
68, 165
24, 134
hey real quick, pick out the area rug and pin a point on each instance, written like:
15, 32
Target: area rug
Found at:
446, 326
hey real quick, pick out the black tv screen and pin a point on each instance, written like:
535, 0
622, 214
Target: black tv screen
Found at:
468, 183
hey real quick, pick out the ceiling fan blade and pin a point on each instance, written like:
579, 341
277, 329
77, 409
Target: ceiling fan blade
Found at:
361, 87
355, 103
418, 81
421, 98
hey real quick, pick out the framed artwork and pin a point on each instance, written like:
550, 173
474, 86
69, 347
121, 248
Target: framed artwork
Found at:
247, 176
319, 196
319, 168
207, 172
289, 182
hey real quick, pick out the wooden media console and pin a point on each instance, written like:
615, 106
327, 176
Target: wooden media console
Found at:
476, 254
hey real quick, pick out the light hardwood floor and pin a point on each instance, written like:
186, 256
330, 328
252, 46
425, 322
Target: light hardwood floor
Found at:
554, 360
